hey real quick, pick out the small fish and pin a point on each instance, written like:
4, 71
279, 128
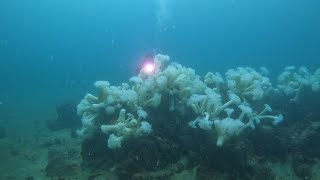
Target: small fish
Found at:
1, 103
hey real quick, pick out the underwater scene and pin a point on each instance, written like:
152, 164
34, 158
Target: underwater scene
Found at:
160, 90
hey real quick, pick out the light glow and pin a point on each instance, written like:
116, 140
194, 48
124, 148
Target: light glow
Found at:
148, 67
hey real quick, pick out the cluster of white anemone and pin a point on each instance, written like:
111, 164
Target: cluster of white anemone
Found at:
119, 111
247, 83
293, 80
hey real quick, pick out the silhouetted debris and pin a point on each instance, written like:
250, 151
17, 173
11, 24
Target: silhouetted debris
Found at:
14, 152
67, 118
29, 178
3, 133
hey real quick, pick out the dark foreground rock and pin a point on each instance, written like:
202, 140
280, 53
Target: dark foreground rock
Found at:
67, 118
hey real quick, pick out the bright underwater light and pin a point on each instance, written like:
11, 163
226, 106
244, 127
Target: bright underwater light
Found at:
148, 67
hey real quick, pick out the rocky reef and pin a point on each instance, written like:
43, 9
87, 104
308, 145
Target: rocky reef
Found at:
170, 123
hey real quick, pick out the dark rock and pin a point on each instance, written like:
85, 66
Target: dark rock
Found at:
303, 171
270, 143
61, 161
104, 175
3, 133
258, 170
309, 140
29, 178
14, 152
95, 153
67, 118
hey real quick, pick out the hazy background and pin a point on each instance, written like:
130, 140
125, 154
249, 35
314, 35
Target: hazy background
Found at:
52, 51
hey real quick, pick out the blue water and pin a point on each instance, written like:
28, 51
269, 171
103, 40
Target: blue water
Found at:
53, 50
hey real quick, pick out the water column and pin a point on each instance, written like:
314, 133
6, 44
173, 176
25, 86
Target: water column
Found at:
162, 15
